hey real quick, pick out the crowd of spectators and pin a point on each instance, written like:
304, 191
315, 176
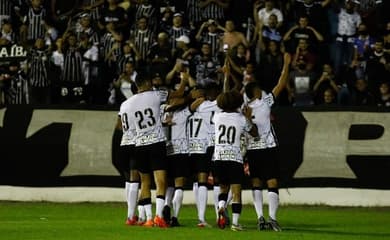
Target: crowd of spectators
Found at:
89, 51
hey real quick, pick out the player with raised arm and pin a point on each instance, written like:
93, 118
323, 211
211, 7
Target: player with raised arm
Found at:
230, 124
261, 151
178, 161
175, 116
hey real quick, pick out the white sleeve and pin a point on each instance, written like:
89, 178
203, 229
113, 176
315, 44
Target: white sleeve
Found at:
163, 94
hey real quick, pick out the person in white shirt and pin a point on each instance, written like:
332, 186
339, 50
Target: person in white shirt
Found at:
230, 124
261, 151
150, 147
264, 13
127, 160
179, 167
201, 138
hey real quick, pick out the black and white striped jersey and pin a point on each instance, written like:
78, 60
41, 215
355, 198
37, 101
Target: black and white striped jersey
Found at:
176, 32
143, 41
214, 40
38, 62
36, 23
148, 11
213, 11
6, 7
17, 89
193, 11
73, 66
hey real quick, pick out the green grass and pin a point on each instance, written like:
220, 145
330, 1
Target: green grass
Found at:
90, 221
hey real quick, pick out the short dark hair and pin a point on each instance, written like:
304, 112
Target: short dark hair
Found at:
249, 89
142, 78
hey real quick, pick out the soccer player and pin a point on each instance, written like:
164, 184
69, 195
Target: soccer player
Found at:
199, 132
126, 152
207, 108
230, 124
178, 160
261, 152
150, 148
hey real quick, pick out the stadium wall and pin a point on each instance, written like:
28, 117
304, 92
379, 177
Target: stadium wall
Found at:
322, 151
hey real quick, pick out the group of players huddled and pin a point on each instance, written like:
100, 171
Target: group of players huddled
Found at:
186, 136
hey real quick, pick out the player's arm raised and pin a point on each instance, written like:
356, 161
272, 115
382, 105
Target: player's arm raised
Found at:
283, 76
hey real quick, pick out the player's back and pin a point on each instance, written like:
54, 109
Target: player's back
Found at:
144, 112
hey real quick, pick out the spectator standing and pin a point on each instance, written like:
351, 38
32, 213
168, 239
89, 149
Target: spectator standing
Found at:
263, 14
214, 9
160, 55
231, 38
35, 21
124, 86
6, 10
110, 48
128, 54
143, 37
326, 81
211, 35
378, 66
348, 22
301, 83
316, 11
302, 31
265, 34
193, 13
177, 29
15, 85
94, 7
204, 67
84, 28
38, 73
146, 9
72, 77
363, 44
112, 13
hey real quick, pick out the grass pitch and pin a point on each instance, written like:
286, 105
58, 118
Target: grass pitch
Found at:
90, 221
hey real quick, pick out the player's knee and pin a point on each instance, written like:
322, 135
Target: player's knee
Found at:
272, 183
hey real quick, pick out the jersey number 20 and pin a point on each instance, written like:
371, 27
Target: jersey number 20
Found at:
226, 134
